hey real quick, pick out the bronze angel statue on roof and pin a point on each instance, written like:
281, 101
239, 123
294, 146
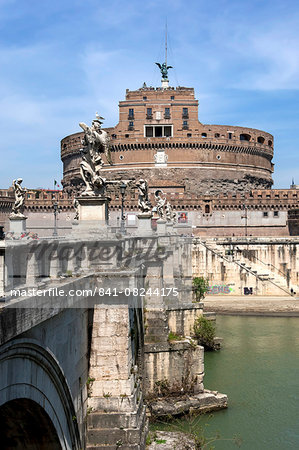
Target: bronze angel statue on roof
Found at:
164, 70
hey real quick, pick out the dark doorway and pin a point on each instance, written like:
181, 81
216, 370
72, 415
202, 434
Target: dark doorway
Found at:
24, 425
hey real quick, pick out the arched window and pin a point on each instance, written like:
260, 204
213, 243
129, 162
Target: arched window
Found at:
207, 209
270, 143
204, 135
261, 140
245, 137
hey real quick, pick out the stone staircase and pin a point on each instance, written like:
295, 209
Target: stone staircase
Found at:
268, 282
111, 430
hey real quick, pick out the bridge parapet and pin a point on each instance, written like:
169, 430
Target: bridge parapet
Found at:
95, 303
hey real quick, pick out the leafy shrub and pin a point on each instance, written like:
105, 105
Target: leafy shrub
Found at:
204, 331
200, 287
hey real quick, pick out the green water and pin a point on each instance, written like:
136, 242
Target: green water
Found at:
258, 368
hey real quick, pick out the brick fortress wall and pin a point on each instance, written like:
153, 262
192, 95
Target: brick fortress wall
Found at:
203, 158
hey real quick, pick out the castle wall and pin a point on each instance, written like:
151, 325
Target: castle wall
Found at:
165, 121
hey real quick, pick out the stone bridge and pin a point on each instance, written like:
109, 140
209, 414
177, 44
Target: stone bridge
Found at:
84, 329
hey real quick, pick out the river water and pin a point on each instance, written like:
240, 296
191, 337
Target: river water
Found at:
258, 368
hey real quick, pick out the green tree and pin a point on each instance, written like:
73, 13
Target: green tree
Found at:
204, 331
200, 287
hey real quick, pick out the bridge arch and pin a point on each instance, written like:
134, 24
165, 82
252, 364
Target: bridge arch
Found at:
24, 424
31, 375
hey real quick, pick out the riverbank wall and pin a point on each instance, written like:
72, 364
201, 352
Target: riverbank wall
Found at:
248, 266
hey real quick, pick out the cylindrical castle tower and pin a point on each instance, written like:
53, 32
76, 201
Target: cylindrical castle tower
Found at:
160, 138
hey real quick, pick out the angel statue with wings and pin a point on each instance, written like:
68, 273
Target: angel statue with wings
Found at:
95, 143
20, 193
143, 200
164, 70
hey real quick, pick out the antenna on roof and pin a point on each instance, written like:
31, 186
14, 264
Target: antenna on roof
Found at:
164, 67
166, 42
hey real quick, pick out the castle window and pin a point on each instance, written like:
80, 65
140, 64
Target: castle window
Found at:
131, 126
230, 135
131, 113
149, 131
127, 135
270, 143
149, 113
167, 131
204, 135
275, 213
261, 140
113, 136
167, 113
265, 213
207, 209
185, 125
245, 137
158, 131
144, 98
217, 135
172, 97
189, 135
185, 113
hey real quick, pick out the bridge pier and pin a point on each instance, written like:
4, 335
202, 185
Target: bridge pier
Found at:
116, 414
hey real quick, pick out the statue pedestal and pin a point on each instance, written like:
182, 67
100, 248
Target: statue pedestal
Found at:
161, 226
145, 223
93, 214
165, 83
17, 224
169, 227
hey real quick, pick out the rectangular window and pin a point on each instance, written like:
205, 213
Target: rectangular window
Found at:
131, 113
158, 131
185, 113
172, 97
149, 132
265, 213
167, 113
131, 124
185, 124
167, 131
230, 135
149, 113
275, 213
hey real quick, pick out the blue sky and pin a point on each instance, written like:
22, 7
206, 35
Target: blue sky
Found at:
61, 61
